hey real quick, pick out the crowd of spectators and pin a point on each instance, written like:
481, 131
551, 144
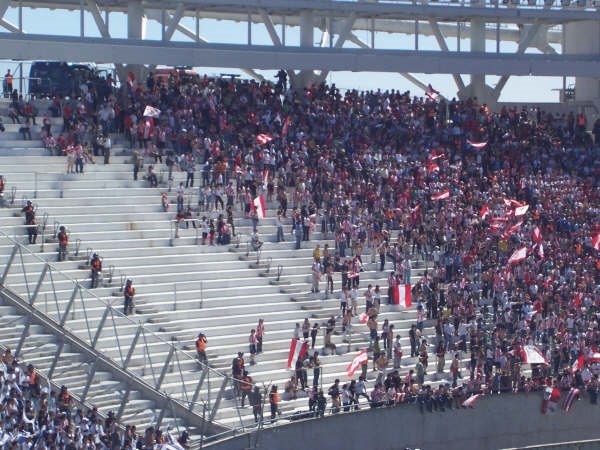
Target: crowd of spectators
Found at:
34, 415
368, 169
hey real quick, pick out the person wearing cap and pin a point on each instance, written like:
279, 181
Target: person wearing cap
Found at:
128, 294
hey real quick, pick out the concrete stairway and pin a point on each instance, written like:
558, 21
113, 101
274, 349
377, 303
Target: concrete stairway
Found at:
185, 288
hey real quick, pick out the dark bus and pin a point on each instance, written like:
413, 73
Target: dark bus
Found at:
50, 78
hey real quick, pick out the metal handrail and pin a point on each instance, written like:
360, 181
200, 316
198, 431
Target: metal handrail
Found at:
92, 331
279, 272
13, 195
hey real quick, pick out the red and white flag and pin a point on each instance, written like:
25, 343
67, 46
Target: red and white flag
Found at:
485, 210
432, 94
442, 195
540, 251
468, 403
570, 399
551, 398
151, 111
477, 145
433, 167
263, 138
512, 229
358, 361
259, 206
435, 156
536, 235
532, 355
402, 295
596, 241
265, 179
518, 255
512, 203
286, 126
297, 351
363, 318
579, 363
521, 210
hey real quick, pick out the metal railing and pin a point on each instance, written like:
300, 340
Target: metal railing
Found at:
101, 325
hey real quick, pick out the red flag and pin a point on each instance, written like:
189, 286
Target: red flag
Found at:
468, 403
442, 195
536, 235
433, 167
512, 229
512, 203
432, 94
579, 363
532, 355
363, 318
263, 138
477, 145
402, 295
519, 255
540, 250
358, 361
286, 126
297, 351
259, 206
484, 212
265, 178
596, 242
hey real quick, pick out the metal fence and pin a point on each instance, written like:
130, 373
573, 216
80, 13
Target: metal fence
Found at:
159, 364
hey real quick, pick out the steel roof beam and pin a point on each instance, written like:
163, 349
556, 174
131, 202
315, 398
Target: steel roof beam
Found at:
132, 51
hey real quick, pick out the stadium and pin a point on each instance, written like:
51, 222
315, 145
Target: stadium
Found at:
239, 224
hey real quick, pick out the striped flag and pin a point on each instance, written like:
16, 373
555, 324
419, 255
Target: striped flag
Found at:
468, 403
358, 361
532, 355
540, 251
512, 229
596, 241
579, 363
518, 255
263, 138
484, 211
259, 206
536, 235
477, 145
570, 398
402, 295
265, 179
297, 351
442, 195
432, 94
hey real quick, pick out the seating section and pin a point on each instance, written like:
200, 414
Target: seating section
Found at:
182, 287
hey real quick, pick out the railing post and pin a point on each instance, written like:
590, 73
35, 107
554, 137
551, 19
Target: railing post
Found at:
35, 182
132, 348
215, 407
63, 319
100, 326
123, 403
59, 350
198, 388
165, 368
88, 383
9, 263
23, 337
39, 284
160, 418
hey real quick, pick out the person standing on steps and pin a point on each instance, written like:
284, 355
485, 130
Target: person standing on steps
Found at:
252, 346
106, 147
138, 163
30, 222
201, 348
63, 241
96, 267
128, 294
260, 333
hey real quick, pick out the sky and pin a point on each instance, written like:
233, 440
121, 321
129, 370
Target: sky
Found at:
518, 89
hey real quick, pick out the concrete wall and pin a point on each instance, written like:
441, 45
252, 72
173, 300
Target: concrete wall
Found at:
494, 423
